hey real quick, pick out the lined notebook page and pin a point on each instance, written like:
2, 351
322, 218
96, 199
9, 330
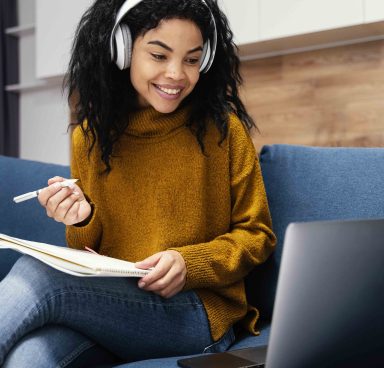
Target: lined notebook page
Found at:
61, 257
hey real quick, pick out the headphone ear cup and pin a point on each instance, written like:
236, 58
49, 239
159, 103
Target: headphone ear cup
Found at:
123, 43
205, 57
127, 36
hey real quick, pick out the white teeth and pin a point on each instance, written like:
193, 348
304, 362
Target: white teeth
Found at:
169, 91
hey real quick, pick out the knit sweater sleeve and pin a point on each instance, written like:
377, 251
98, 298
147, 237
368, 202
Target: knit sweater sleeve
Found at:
229, 257
89, 234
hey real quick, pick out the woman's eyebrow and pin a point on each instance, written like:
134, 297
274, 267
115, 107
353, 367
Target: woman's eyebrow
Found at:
163, 45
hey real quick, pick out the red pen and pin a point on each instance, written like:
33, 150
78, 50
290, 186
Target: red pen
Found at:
90, 250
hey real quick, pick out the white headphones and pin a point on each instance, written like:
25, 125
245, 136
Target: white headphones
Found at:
121, 40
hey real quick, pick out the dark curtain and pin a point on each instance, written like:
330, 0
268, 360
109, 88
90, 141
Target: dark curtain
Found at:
9, 70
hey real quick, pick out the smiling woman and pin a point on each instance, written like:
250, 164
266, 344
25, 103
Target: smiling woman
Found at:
168, 178
165, 64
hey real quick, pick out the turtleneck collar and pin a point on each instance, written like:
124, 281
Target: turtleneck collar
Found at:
149, 123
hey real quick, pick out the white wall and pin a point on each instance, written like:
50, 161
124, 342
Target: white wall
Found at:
43, 126
54, 35
243, 16
44, 114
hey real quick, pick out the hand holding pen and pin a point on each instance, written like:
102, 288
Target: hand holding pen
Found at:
35, 193
64, 201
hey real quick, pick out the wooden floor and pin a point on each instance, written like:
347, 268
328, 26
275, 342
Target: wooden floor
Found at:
330, 97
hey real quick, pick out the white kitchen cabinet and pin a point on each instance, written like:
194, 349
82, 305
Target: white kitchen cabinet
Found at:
56, 22
282, 18
243, 16
374, 10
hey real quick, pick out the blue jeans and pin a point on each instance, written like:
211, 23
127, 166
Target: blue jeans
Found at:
49, 319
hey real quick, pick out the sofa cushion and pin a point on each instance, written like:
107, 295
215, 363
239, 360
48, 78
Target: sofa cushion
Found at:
27, 219
312, 183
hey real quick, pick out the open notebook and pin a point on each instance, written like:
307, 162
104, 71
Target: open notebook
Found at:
73, 261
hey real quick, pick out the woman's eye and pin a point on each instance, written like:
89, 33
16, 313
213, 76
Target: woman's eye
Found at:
193, 61
158, 56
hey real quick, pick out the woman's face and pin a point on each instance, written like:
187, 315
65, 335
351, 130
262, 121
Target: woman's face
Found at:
165, 64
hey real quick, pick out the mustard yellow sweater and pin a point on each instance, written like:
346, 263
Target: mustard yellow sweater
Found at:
163, 193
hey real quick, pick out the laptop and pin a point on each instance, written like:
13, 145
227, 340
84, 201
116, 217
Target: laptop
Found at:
329, 306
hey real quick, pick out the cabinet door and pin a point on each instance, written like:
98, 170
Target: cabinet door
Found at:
281, 18
243, 16
56, 22
374, 10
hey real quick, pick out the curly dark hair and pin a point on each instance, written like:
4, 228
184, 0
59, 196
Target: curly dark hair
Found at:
104, 99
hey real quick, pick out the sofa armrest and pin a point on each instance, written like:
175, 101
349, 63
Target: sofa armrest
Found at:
28, 219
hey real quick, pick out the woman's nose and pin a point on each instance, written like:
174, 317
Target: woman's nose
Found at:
175, 71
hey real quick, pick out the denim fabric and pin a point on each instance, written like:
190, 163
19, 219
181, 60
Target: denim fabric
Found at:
244, 340
56, 347
216, 347
314, 183
113, 312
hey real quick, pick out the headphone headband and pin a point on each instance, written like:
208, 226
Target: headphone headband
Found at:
121, 39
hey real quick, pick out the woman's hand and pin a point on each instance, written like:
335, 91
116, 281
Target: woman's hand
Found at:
67, 205
168, 275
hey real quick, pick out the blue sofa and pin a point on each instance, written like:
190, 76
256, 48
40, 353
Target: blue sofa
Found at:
302, 183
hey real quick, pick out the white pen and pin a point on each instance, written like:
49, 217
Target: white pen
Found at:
34, 194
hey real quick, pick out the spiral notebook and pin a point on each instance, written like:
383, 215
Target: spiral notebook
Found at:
73, 261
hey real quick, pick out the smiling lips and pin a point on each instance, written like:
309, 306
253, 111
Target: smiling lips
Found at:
167, 92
